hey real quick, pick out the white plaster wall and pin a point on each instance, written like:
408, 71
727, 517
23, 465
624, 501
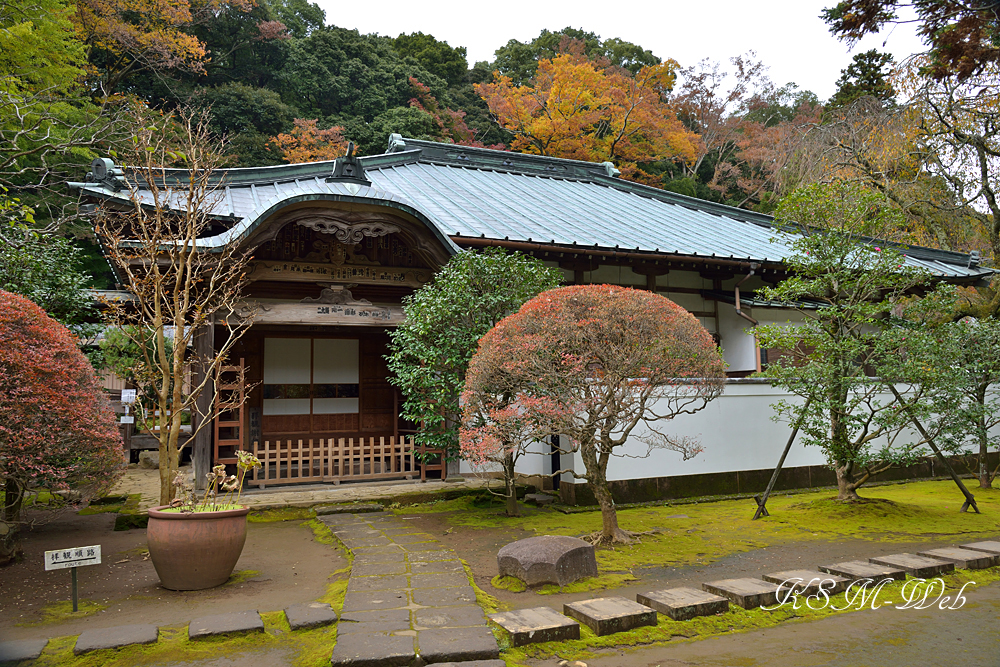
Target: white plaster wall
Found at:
738, 346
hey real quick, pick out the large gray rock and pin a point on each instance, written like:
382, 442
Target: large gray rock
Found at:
548, 559
149, 459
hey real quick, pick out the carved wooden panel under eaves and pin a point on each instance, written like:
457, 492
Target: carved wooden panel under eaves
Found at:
299, 243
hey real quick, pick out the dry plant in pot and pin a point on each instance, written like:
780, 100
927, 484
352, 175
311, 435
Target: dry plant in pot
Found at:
194, 542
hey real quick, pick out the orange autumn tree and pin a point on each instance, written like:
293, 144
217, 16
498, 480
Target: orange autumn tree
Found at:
585, 109
308, 143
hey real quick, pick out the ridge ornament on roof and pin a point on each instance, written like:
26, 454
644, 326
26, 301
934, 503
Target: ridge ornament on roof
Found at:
348, 170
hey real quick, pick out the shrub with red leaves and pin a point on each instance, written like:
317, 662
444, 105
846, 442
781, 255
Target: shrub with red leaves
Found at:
57, 429
589, 363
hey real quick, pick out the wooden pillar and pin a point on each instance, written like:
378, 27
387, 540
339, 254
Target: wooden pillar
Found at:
201, 454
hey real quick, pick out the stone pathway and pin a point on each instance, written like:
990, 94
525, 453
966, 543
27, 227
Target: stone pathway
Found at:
408, 596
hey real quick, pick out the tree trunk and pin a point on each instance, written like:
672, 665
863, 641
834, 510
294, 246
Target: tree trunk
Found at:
846, 487
10, 522
985, 478
511, 487
598, 479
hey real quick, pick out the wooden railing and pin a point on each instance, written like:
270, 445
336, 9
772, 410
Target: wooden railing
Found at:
334, 460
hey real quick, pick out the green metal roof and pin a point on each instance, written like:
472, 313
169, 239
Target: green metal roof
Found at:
464, 192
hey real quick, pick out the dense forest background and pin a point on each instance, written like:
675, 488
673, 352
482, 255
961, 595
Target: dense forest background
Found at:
280, 85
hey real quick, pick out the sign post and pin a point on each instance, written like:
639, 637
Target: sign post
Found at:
73, 558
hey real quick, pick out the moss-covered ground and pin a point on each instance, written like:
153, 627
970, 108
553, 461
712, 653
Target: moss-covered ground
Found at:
704, 532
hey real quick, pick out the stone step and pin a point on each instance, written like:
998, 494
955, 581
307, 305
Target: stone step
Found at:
918, 566
747, 593
373, 649
988, 547
606, 616
237, 622
965, 559
117, 637
855, 570
457, 644
682, 604
14, 651
808, 582
536, 625
310, 615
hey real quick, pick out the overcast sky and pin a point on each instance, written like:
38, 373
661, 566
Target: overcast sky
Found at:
787, 35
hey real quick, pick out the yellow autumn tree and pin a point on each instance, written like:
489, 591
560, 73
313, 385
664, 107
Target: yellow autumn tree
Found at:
583, 109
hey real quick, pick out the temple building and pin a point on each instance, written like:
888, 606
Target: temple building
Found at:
337, 245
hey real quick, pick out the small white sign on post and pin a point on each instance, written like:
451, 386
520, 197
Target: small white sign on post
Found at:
128, 396
75, 557
127, 419
61, 559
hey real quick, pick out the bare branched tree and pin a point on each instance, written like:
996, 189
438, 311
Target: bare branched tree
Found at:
178, 284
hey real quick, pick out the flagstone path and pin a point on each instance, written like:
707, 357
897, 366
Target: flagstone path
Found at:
408, 595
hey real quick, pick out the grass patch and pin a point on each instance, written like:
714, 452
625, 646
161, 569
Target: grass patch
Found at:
599, 583
129, 516
241, 576
489, 603
59, 612
505, 583
735, 620
280, 514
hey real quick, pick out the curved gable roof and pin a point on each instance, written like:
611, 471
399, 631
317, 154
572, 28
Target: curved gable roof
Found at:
460, 191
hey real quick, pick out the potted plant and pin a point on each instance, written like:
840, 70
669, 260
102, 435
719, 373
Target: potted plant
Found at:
194, 543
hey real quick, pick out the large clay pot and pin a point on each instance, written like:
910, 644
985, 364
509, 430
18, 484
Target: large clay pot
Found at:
196, 550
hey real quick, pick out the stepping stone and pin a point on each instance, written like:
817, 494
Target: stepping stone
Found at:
988, 547
429, 556
422, 546
352, 543
370, 569
348, 509
747, 593
370, 600
965, 559
609, 615
444, 597
310, 615
372, 649
808, 582
378, 556
473, 663
12, 652
224, 624
859, 569
532, 626
457, 645
548, 559
390, 582
448, 617
540, 499
381, 620
413, 538
123, 635
439, 579
918, 566
682, 604
420, 567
